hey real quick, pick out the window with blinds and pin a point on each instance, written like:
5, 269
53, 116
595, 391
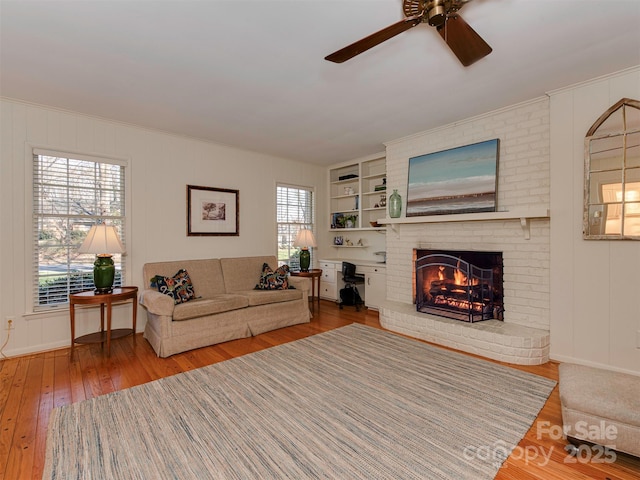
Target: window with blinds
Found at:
71, 194
294, 212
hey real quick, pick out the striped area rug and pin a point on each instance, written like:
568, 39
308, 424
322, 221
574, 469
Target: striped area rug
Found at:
351, 403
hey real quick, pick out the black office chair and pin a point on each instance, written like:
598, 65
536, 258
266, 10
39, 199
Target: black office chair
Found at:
349, 295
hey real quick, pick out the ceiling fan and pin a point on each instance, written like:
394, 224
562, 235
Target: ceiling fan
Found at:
465, 43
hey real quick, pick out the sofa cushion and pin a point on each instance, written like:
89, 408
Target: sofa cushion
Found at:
270, 280
209, 306
241, 273
179, 287
263, 297
206, 274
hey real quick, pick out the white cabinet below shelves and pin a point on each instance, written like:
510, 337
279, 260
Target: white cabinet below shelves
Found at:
328, 283
373, 291
375, 285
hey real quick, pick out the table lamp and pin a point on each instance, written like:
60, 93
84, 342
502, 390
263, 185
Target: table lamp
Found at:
103, 241
304, 240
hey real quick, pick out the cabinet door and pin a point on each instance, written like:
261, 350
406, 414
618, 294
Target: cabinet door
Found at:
328, 291
375, 282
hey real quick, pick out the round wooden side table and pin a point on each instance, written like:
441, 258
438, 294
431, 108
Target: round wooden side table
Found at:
119, 294
315, 274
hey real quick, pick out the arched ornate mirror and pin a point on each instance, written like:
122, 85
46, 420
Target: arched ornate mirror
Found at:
612, 174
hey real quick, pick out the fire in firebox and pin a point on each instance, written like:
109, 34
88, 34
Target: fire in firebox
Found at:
461, 285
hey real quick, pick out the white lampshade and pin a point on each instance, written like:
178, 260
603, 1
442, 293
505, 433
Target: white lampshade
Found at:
102, 239
305, 239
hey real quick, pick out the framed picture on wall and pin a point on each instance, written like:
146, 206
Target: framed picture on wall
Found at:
459, 180
212, 211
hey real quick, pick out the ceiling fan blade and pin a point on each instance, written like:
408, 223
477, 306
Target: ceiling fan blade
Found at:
374, 39
463, 40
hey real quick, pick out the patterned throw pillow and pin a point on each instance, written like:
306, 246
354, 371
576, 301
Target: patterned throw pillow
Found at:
270, 280
179, 287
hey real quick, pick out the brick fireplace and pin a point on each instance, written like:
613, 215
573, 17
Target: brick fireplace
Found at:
512, 323
520, 230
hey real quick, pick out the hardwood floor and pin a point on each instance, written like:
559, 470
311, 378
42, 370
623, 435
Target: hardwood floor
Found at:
32, 385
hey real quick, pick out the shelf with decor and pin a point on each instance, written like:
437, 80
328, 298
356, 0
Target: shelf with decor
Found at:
340, 241
344, 220
371, 216
357, 190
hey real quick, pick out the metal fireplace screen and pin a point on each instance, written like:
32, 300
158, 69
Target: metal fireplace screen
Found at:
451, 287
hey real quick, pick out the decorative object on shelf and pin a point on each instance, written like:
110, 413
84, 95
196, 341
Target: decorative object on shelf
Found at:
395, 204
337, 240
212, 211
103, 241
304, 240
349, 191
360, 243
378, 188
383, 200
350, 221
348, 243
375, 224
347, 177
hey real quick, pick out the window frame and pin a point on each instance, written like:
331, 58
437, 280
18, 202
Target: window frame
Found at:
121, 221
600, 175
294, 227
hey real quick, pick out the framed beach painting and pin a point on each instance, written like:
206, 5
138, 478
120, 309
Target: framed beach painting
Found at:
458, 180
212, 211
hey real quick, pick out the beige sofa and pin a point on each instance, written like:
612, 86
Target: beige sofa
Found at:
226, 306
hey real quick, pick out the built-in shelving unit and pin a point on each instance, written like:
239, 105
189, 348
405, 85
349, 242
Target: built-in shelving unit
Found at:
357, 195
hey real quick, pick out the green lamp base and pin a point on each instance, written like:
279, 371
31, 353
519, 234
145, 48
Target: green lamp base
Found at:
104, 271
305, 259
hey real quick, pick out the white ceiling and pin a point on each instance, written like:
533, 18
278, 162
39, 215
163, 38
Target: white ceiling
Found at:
252, 74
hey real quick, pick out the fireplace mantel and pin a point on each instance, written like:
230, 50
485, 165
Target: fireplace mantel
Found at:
524, 214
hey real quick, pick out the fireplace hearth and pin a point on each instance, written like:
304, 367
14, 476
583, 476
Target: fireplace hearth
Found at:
462, 285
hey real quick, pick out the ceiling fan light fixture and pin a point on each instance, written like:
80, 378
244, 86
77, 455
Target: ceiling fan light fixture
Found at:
463, 41
437, 15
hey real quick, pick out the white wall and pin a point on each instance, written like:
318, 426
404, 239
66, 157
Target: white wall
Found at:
595, 284
160, 167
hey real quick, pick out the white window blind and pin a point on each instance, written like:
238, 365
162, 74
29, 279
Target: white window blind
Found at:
70, 194
295, 211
